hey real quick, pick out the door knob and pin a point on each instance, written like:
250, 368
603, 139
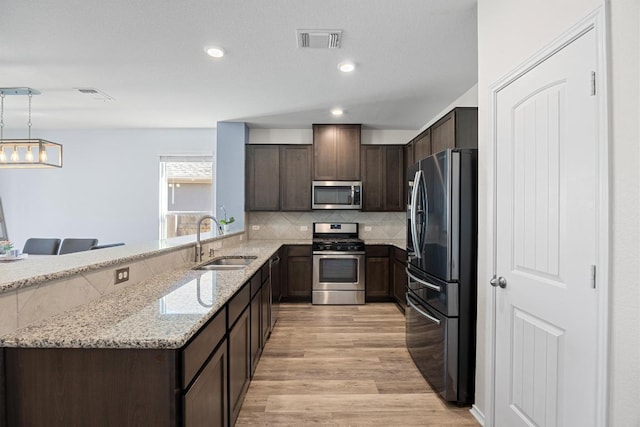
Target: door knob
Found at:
498, 281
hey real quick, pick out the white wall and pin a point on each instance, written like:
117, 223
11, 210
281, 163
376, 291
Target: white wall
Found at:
467, 99
509, 32
107, 187
229, 187
624, 211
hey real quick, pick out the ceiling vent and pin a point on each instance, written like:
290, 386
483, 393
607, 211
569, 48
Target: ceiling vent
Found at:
94, 93
322, 39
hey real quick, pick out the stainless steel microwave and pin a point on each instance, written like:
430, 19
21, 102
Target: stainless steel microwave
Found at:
336, 195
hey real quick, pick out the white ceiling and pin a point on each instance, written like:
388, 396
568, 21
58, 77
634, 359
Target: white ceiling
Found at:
414, 57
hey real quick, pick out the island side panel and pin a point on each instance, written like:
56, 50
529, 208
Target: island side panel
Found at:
98, 387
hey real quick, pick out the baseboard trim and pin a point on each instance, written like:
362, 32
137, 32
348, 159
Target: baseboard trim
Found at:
477, 414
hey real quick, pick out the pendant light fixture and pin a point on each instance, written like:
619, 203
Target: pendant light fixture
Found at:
30, 152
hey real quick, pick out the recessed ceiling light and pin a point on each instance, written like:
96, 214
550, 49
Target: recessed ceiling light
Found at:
214, 51
346, 67
337, 112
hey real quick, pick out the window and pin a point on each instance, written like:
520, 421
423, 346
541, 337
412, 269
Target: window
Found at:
186, 193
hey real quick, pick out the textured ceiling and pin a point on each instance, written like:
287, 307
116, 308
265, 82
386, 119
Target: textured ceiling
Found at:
413, 58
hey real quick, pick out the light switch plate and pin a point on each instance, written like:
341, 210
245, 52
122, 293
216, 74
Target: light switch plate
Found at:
304, 228
255, 227
367, 228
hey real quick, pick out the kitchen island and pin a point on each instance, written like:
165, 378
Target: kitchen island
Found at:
155, 353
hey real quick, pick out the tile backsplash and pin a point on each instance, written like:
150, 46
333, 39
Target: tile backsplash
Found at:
287, 225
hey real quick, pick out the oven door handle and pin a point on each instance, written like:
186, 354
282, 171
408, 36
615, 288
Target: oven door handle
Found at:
424, 314
342, 254
422, 282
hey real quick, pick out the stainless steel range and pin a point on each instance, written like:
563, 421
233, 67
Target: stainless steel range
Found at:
338, 264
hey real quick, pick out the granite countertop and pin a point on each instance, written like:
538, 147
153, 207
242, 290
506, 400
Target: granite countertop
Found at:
164, 311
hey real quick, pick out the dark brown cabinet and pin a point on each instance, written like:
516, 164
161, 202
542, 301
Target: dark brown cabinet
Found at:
239, 360
383, 177
278, 177
377, 273
256, 338
423, 145
239, 343
399, 276
336, 152
265, 323
297, 286
206, 401
456, 129
295, 177
262, 177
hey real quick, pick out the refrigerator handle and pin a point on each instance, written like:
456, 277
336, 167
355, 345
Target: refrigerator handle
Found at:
426, 210
417, 247
422, 282
424, 314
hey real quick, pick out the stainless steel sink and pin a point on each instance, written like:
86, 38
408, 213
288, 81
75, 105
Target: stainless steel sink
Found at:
232, 262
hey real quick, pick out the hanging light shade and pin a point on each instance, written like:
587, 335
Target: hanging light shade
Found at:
30, 152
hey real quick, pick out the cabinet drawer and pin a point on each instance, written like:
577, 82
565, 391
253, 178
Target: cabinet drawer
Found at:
196, 352
376, 250
238, 303
299, 250
265, 271
255, 284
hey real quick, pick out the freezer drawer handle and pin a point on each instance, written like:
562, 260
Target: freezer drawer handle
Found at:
422, 282
433, 319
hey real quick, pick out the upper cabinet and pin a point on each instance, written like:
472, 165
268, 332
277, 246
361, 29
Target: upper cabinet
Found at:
422, 145
262, 178
336, 152
295, 177
278, 177
457, 129
383, 177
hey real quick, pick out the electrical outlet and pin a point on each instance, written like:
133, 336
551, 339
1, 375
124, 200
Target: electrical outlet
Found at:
304, 228
367, 228
122, 275
255, 227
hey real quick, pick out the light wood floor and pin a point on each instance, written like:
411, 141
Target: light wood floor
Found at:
342, 366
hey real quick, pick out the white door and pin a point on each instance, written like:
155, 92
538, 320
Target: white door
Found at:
546, 236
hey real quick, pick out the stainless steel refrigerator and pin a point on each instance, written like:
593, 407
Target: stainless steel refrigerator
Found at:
441, 269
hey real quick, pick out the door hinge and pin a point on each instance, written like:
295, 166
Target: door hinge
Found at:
593, 83
593, 276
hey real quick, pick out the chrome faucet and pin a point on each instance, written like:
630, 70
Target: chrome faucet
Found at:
198, 244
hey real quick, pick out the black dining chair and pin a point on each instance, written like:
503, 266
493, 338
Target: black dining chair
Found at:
76, 245
39, 246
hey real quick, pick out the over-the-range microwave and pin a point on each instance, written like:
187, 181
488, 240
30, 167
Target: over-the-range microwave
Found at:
336, 195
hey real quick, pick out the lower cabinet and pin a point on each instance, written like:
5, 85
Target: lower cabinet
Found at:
399, 277
298, 273
377, 273
256, 330
205, 403
239, 347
